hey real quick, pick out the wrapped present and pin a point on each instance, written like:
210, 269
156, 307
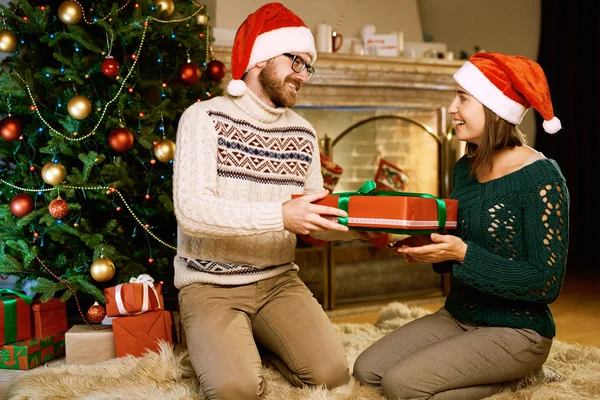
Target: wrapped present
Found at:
15, 316
30, 353
138, 296
138, 334
49, 317
85, 345
393, 212
390, 177
331, 172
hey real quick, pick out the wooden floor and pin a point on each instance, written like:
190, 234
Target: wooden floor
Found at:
576, 311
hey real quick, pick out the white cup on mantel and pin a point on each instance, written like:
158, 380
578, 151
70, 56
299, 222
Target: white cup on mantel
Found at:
323, 41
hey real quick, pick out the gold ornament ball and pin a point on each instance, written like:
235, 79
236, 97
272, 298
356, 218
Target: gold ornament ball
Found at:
102, 270
164, 151
165, 6
79, 107
69, 12
96, 313
54, 174
8, 41
201, 19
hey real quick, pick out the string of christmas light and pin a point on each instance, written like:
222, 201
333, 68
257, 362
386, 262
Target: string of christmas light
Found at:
104, 188
96, 19
105, 108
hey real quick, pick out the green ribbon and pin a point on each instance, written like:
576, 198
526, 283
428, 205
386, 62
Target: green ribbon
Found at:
368, 189
10, 313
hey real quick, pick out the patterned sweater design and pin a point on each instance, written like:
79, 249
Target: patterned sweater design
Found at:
516, 229
237, 160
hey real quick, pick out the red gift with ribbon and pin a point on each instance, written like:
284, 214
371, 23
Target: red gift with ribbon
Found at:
15, 316
138, 296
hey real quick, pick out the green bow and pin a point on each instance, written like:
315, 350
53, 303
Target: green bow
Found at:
368, 189
10, 312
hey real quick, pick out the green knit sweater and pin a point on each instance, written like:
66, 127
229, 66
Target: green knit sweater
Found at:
516, 228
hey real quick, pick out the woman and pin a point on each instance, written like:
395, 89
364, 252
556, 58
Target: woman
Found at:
507, 258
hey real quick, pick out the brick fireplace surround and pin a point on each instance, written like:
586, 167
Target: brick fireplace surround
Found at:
366, 108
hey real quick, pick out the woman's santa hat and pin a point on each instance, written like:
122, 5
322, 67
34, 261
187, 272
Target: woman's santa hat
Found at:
509, 86
269, 32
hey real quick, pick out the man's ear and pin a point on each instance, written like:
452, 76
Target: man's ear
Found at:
260, 65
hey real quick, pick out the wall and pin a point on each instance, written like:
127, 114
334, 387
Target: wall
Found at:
387, 15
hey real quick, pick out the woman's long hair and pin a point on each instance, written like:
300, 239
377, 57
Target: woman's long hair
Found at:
498, 134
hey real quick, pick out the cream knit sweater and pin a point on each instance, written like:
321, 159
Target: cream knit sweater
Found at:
237, 160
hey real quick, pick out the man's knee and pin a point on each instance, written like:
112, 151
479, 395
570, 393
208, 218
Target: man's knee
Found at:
235, 388
331, 374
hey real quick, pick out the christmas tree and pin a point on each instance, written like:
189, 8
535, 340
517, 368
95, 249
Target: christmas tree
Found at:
90, 97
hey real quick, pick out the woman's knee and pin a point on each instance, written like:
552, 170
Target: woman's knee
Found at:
363, 371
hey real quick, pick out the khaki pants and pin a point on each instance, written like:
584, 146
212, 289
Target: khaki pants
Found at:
224, 324
437, 357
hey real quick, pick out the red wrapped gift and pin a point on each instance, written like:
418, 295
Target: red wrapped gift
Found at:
138, 334
394, 212
30, 353
15, 316
49, 318
138, 296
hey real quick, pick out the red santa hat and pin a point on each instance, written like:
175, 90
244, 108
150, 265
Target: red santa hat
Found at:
509, 86
269, 32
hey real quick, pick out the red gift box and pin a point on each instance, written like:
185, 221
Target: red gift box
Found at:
30, 353
394, 212
138, 334
15, 316
138, 296
49, 318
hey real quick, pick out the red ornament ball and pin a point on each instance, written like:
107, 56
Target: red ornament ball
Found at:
11, 128
189, 73
21, 205
110, 66
58, 208
216, 70
120, 139
96, 313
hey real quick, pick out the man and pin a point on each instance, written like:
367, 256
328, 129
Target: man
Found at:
238, 161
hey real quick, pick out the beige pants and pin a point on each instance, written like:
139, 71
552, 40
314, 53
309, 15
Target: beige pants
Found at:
437, 357
224, 324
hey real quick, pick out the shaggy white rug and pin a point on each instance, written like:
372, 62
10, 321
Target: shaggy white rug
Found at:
168, 375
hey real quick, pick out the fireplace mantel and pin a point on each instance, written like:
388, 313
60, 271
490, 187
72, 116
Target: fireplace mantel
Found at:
346, 80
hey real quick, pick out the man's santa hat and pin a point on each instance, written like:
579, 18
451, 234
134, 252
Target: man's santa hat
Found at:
509, 86
269, 32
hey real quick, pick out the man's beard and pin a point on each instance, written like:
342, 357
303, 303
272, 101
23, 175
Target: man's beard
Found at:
276, 90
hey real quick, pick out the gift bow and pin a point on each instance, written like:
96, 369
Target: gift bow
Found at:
10, 313
368, 189
148, 284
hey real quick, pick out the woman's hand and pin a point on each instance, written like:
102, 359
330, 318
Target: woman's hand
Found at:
432, 248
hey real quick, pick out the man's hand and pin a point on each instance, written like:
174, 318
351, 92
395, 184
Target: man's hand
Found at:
302, 217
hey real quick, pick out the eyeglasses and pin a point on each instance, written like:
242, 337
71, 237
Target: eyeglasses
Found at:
298, 64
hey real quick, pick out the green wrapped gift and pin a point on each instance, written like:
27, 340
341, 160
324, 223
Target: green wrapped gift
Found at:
30, 353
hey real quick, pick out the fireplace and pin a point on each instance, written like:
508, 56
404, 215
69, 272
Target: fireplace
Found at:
368, 108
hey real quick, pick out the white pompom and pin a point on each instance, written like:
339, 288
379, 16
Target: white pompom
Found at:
552, 126
236, 87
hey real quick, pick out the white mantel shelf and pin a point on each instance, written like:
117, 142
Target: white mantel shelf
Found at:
345, 80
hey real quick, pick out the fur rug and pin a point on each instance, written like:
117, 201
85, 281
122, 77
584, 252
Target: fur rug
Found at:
168, 374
